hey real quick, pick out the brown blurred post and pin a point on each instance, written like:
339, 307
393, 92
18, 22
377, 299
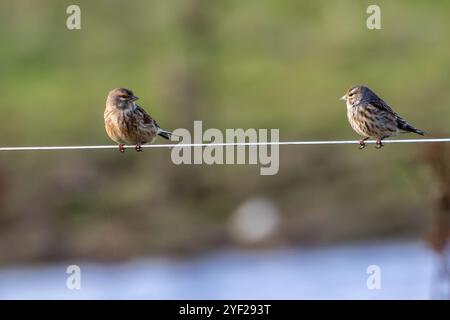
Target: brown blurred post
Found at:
437, 156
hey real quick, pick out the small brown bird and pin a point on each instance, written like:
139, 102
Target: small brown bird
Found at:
371, 117
127, 123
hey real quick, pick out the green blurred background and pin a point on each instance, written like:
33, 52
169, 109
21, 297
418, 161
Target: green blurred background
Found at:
232, 64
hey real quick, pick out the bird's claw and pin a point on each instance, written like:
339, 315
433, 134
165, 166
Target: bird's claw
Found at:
362, 144
138, 148
379, 144
121, 148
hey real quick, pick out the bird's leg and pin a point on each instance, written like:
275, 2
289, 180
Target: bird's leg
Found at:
362, 143
122, 147
138, 148
379, 144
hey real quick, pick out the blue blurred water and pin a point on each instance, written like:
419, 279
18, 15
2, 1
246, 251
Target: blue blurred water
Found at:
295, 273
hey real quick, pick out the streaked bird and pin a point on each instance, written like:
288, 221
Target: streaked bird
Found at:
128, 124
371, 117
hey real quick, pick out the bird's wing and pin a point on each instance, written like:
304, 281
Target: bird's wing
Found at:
401, 123
146, 119
381, 105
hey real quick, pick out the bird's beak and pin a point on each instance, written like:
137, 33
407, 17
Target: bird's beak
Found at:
343, 98
134, 98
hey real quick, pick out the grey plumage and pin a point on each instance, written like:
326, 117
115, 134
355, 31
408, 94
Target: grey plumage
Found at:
371, 117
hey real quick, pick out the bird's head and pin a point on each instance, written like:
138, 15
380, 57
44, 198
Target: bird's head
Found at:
121, 98
355, 95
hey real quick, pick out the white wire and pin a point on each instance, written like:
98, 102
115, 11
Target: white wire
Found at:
187, 145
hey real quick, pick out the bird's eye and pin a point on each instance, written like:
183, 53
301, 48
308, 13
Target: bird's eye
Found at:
123, 97
350, 94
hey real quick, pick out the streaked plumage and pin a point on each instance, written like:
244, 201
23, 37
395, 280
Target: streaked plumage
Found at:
371, 117
127, 123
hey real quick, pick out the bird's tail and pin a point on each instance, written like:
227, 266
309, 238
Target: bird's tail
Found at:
409, 128
165, 134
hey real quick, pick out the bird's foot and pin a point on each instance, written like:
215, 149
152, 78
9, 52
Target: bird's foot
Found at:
379, 144
362, 143
121, 147
138, 148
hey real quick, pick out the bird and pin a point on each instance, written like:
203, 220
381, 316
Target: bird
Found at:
371, 117
126, 123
